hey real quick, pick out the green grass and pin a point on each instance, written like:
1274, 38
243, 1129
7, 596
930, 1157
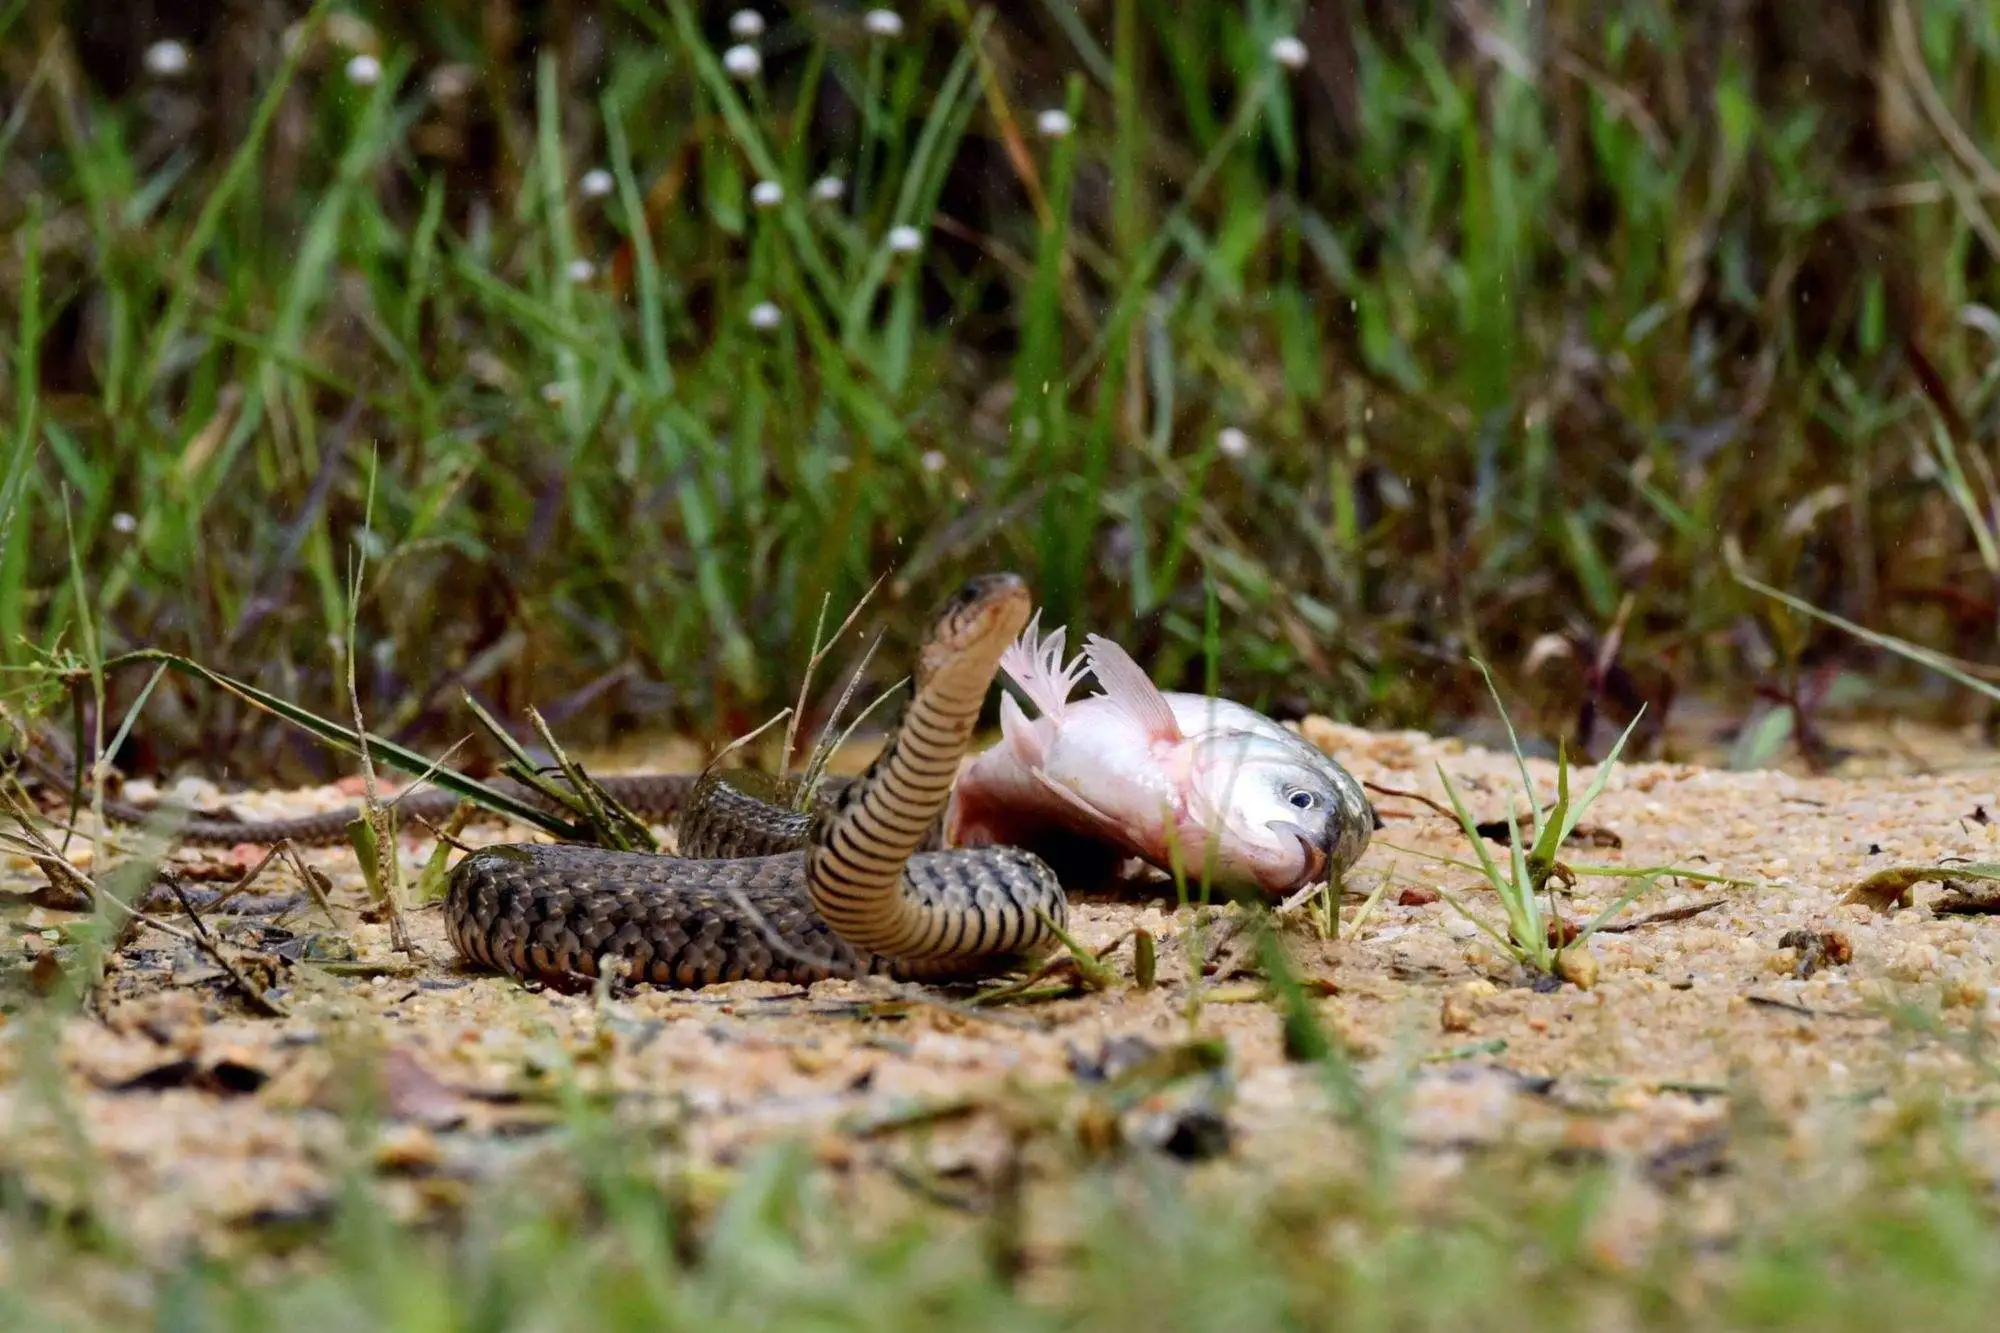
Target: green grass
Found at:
1518, 325
611, 1230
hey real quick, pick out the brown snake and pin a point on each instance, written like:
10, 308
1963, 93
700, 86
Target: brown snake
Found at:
859, 896
757, 891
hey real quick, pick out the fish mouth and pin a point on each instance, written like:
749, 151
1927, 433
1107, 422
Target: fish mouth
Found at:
1328, 850
1316, 857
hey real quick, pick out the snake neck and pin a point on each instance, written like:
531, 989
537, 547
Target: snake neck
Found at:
862, 839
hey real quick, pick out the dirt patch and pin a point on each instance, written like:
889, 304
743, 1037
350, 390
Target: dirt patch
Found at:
209, 1124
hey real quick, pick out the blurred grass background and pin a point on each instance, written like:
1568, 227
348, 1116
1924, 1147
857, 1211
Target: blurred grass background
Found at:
1483, 329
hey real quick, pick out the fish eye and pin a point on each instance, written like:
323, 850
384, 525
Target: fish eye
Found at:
1301, 800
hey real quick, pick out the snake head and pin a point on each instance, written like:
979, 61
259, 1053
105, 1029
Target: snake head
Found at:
975, 625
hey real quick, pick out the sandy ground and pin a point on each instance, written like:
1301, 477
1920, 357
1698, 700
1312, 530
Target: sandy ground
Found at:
211, 1125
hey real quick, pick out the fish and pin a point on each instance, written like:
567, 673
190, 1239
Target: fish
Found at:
1189, 781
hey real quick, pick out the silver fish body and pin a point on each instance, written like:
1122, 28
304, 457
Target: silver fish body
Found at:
1197, 786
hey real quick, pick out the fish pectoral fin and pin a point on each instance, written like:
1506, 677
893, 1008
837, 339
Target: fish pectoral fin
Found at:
1020, 735
1128, 686
1076, 801
1034, 662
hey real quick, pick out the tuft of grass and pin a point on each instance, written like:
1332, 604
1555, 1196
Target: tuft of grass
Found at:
1535, 932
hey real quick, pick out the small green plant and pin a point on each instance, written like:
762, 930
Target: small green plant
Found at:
1537, 935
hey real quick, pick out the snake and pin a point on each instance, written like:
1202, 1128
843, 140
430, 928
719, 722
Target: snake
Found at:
855, 886
757, 889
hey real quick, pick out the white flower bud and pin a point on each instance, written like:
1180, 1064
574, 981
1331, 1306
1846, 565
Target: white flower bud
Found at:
1289, 51
167, 60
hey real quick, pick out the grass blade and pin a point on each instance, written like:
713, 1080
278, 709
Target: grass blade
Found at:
343, 738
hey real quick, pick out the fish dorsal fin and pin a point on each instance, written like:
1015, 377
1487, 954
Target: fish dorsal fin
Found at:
1127, 685
1035, 663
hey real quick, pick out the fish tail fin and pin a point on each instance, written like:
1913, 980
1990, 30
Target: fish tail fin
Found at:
1035, 663
1128, 686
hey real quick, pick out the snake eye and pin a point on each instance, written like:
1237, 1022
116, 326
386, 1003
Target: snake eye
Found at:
1301, 800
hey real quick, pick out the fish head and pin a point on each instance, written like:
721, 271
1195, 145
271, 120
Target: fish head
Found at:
1285, 815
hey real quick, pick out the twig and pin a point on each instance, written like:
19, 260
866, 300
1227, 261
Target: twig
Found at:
828, 743
1769, 1002
1661, 918
308, 880
202, 941
1436, 806
52, 863
440, 835
173, 883
812, 664
1014, 990
745, 739
626, 832
387, 869
1903, 30
243, 881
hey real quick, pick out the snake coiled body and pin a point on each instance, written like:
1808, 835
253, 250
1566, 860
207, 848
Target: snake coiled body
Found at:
861, 895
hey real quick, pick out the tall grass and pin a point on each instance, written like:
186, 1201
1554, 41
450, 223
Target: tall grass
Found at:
1478, 326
